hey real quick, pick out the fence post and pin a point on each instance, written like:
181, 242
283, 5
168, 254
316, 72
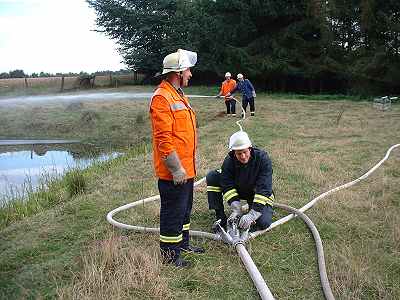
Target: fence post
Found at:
110, 79
62, 84
26, 82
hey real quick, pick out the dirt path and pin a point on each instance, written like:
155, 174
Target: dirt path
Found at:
43, 99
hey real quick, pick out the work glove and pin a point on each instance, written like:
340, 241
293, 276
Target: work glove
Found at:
174, 166
248, 219
254, 94
236, 210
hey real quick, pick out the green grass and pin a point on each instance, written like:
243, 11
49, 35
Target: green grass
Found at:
121, 123
49, 254
318, 97
75, 182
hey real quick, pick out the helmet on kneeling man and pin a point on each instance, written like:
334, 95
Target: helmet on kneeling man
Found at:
239, 141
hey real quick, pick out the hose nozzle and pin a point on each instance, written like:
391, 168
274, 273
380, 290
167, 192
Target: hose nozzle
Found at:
221, 231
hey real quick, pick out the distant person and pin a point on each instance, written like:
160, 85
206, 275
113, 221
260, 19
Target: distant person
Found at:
228, 85
248, 93
246, 174
174, 146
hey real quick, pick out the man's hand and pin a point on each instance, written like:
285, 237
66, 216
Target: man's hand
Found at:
179, 176
174, 166
254, 94
218, 96
236, 210
248, 219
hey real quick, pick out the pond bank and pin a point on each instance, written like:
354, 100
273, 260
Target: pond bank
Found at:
36, 142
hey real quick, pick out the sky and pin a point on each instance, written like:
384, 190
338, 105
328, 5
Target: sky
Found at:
53, 36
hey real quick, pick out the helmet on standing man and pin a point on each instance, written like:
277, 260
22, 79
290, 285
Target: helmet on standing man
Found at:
227, 74
240, 76
179, 61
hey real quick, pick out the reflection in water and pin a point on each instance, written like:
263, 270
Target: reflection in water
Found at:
39, 150
23, 167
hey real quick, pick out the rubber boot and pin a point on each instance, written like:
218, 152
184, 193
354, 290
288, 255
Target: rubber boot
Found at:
181, 263
193, 249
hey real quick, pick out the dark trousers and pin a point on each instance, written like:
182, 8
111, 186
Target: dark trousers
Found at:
230, 106
176, 207
246, 101
215, 201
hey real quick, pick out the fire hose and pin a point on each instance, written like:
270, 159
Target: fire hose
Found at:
237, 240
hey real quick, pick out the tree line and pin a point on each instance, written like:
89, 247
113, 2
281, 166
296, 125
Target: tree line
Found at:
307, 46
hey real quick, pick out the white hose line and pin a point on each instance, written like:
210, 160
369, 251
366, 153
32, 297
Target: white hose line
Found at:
320, 250
315, 200
261, 286
243, 114
255, 275
152, 229
230, 97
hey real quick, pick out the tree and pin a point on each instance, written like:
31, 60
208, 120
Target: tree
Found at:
17, 74
286, 45
4, 75
140, 27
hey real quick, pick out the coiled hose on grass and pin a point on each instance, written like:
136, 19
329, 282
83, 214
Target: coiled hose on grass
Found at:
320, 250
246, 259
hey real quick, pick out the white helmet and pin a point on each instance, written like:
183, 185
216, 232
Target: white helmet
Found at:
239, 141
179, 61
240, 76
227, 74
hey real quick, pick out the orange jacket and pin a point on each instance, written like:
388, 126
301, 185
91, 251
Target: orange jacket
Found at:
227, 87
174, 128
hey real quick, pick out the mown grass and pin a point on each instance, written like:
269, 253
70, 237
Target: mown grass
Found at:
69, 251
319, 97
101, 122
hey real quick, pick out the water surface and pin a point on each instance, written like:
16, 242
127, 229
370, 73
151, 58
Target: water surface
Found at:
25, 167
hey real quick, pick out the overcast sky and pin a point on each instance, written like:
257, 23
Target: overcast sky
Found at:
53, 36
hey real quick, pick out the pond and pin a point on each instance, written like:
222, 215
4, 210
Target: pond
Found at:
24, 167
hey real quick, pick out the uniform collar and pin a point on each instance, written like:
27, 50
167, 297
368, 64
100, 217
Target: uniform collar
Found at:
177, 94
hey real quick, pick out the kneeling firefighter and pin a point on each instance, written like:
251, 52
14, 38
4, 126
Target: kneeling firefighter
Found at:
246, 174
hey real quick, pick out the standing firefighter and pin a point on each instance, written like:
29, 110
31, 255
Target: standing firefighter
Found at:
246, 174
248, 93
228, 85
174, 145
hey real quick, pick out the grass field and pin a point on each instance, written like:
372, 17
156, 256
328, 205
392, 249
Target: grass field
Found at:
107, 122
69, 251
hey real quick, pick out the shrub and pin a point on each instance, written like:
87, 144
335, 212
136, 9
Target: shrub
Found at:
75, 182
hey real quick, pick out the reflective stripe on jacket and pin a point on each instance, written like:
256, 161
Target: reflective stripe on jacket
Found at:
174, 129
252, 181
227, 87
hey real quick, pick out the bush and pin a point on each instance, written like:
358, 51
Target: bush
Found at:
75, 182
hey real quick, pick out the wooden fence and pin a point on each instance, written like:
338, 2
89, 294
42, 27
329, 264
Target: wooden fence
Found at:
64, 83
